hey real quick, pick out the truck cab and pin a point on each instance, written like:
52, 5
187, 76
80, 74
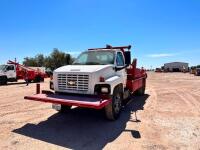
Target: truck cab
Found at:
197, 72
7, 73
93, 72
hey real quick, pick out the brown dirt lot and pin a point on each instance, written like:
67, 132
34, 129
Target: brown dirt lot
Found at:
168, 118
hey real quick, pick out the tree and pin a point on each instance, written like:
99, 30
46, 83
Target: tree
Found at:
54, 60
48, 63
58, 58
28, 61
40, 60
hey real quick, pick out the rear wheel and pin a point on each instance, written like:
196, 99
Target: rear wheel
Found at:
37, 79
113, 109
42, 79
141, 91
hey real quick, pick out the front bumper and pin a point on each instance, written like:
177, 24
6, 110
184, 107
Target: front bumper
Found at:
71, 100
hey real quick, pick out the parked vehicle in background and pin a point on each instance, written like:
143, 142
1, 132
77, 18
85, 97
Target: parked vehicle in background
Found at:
12, 71
192, 70
158, 70
100, 78
197, 72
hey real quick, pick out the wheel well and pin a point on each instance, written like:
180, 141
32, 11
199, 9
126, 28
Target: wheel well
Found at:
120, 86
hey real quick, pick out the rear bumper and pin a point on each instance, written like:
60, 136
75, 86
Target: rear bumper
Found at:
71, 100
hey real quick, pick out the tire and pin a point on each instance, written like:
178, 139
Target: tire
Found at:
64, 108
4, 80
41, 79
1, 81
37, 79
141, 91
113, 110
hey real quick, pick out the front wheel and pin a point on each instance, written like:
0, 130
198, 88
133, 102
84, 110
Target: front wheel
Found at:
3, 80
64, 108
113, 109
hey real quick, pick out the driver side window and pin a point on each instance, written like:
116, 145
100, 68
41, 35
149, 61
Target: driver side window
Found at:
119, 59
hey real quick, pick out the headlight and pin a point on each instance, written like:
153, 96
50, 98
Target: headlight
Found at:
104, 90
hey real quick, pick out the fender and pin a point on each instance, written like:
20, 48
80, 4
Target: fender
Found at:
113, 82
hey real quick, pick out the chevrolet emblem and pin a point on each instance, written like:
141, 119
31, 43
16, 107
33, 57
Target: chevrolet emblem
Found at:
71, 82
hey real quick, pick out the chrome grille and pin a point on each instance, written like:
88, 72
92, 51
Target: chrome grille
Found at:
73, 82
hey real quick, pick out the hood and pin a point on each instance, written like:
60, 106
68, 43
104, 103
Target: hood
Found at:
82, 68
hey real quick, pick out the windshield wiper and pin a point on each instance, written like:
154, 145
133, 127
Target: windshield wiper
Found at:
77, 64
92, 63
88, 63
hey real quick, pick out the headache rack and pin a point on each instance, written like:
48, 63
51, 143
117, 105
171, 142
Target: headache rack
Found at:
122, 48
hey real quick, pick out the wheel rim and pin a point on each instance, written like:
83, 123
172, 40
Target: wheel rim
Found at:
117, 103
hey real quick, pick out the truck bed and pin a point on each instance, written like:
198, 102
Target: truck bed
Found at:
72, 100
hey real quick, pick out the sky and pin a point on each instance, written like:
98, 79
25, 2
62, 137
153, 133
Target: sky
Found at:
159, 31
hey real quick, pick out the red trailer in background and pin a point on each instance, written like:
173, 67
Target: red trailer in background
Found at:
36, 75
13, 71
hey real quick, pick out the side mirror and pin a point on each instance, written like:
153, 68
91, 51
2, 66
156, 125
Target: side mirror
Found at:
117, 68
127, 56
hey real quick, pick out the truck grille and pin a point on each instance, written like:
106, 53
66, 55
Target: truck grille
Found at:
73, 82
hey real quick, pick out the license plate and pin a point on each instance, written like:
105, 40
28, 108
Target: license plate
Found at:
56, 106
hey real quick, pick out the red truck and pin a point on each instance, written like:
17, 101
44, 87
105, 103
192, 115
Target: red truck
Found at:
12, 71
100, 78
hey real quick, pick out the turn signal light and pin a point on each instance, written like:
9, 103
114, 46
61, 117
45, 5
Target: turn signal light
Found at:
101, 79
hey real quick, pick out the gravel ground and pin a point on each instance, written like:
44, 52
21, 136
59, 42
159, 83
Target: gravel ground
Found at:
166, 117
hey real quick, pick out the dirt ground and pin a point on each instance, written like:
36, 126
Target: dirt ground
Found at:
168, 117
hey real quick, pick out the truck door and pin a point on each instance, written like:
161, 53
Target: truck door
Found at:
11, 72
121, 63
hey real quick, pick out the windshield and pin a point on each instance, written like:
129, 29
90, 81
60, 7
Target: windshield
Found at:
2, 67
95, 58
